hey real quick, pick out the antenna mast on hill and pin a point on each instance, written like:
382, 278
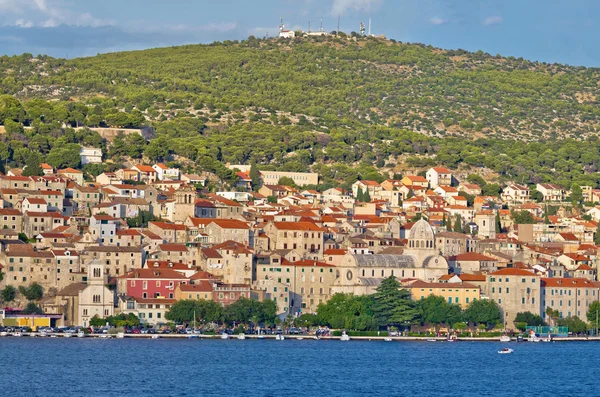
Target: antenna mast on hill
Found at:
362, 29
321, 29
369, 34
280, 24
338, 28
308, 26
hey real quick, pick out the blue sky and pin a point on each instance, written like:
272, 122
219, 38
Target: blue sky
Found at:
545, 30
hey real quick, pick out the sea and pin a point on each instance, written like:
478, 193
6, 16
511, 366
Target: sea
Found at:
192, 367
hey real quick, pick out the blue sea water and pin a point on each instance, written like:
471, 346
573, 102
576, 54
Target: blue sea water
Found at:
161, 367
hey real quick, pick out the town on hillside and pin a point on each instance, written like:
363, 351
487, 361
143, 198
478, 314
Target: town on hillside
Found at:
140, 239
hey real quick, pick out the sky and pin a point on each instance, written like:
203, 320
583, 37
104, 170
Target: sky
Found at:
563, 31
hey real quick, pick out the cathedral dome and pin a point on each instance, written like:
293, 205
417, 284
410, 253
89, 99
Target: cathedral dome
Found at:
421, 230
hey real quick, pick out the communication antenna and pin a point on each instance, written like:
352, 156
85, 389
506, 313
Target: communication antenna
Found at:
369, 34
338, 28
281, 24
308, 26
321, 29
362, 29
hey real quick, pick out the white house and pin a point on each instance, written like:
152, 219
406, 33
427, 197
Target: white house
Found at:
439, 176
90, 155
163, 172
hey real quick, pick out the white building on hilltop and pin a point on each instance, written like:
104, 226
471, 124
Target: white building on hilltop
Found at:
90, 155
285, 34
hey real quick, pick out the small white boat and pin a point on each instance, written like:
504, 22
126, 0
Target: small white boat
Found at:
32, 334
120, 335
193, 336
3, 333
53, 336
505, 338
241, 336
299, 338
345, 337
155, 336
387, 339
224, 335
261, 337
68, 335
42, 334
105, 336
279, 337
505, 351
17, 334
431, 340
534, 339
81, 335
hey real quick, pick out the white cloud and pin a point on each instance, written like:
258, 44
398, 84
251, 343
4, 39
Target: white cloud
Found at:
342, 6
492, 20
437, 21
48, 13
22, 23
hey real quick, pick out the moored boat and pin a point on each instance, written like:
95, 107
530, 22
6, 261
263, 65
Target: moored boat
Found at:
505, 338
387, 339
506, 350
279, 337
121, 335
81, 335
241, 336
345, 336
224, 335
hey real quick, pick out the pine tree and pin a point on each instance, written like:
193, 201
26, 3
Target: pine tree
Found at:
498, 222
367, 196
254, 175
448, 223
458, 224
546, 219
393, 304
360, 195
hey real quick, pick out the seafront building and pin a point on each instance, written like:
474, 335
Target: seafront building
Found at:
164, 238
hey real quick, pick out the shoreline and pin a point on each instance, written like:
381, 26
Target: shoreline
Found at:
291, 337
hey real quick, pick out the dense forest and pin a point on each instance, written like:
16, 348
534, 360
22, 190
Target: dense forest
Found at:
345, 107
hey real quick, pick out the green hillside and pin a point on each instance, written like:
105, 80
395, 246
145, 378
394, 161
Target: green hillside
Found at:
346, 107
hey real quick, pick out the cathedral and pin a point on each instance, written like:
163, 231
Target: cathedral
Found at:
421, 259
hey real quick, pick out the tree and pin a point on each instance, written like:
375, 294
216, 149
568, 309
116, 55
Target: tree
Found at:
33, 308
458, 224
537, 195
392, 304
476, 179
34, 292
307, 320
498, 222
482, 311
255, 175
286, 181
96, 321
574, 323
576, 194
436, 310
33, 167
65, 156
530, 319
522, 217
360, 196
367, 196
491, 189
9, 293
593, 314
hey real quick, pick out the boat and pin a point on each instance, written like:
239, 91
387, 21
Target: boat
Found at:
121, 335
316, 338
3, 333
81, 335
105, 336
155, 336
241, 336
345, 336
261, 337
506, 350
505, 338
431, 340
453, 338
279, 337
224, 335
547, 339
300, 338
53, 336
68, 335
387, 339
193, 336
533, 337
520, 338
17, 334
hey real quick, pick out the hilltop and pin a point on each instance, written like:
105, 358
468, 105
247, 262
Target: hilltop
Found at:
346, 107
326, 80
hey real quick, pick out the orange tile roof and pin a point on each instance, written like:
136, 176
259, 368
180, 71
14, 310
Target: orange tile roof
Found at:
569, 283
304, 226
509, 271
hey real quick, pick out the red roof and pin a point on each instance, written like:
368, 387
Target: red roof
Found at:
509, 271
303, 226
442, 170
569, 283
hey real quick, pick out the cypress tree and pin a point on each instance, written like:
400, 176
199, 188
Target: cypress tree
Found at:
458, 224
